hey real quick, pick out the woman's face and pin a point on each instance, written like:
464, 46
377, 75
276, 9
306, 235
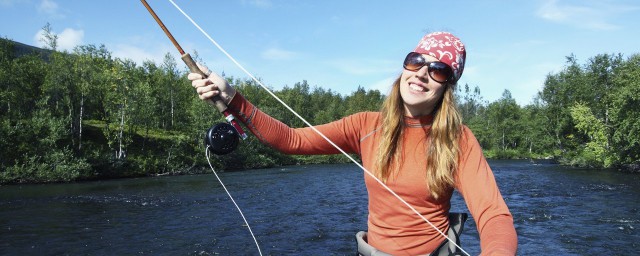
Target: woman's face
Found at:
419, 92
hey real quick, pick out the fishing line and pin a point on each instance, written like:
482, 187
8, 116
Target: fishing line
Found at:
313, 128
234, 201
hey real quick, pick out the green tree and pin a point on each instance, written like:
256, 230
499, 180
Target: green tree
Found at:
504, 116
469, 101
625, 110
49, 38
173, 95
146, 100
537, 142
298, 98
117, 105
595, 151
89, 62
363, 100
327, 105
21, 79
560, 92
598, 94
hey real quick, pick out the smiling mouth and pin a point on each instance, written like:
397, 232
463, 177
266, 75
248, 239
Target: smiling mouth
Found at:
417, 88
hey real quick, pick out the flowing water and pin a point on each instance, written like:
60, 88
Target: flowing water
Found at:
302, 210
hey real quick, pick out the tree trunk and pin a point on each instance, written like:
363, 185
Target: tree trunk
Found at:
121, 153
504, 147
80, 122
172, 108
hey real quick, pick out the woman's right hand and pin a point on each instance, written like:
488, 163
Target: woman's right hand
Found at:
209, 87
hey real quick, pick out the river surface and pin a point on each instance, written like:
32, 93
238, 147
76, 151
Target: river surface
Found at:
302, 210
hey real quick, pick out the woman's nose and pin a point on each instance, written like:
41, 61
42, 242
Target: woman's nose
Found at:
423, 73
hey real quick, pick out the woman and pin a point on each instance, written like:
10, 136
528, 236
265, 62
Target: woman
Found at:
417, 145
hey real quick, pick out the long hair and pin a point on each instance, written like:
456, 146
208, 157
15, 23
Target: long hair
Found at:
442, 152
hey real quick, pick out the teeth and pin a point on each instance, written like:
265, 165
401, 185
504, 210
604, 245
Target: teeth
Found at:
416, 88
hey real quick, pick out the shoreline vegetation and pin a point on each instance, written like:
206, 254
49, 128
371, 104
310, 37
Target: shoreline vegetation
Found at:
85, 115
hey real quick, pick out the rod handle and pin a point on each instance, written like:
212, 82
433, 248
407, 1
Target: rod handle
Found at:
216, 101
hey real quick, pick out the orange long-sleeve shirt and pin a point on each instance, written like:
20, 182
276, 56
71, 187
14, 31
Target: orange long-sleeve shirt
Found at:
392, 226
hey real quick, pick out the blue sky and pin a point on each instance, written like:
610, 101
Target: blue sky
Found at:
340, 45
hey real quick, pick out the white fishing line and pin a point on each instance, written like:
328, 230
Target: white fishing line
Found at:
234, 201
314, 129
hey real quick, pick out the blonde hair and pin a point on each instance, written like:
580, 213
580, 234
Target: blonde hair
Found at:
443, 149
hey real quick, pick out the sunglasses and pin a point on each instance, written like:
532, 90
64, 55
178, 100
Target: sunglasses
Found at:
438, 71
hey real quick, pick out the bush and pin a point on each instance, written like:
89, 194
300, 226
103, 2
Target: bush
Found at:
54, 166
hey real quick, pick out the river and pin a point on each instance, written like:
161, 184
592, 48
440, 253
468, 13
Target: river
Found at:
302, 210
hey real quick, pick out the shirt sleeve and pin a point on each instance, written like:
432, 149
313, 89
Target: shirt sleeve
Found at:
344, 133
477, 185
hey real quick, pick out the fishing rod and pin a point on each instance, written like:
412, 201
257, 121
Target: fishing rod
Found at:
221, 138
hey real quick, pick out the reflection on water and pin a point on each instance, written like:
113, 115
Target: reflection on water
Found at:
310, 210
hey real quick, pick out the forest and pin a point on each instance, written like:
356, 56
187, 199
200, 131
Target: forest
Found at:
83, 115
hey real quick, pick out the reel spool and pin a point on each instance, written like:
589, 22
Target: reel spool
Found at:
222, 138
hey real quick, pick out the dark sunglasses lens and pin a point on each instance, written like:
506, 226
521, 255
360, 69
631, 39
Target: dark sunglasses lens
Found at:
440, 71
414, 61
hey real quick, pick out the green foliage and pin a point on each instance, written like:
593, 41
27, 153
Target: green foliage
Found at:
596, 150
85, 115
362, 100
37, 147
593, 111
625, 110
585, 115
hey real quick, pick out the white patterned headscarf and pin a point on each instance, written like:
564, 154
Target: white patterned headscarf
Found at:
445, 47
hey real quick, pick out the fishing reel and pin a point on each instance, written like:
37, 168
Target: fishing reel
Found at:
222, 138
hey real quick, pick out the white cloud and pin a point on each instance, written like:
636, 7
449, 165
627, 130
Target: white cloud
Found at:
38, 39
594, 15
70, 38
67, 40
278, 54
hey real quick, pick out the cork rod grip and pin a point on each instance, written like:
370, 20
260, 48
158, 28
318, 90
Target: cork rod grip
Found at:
216, 101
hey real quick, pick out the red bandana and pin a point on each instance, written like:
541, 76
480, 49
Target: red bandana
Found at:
445, 47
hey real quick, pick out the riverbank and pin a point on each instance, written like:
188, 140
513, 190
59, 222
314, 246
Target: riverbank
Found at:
633, 168
301, 161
